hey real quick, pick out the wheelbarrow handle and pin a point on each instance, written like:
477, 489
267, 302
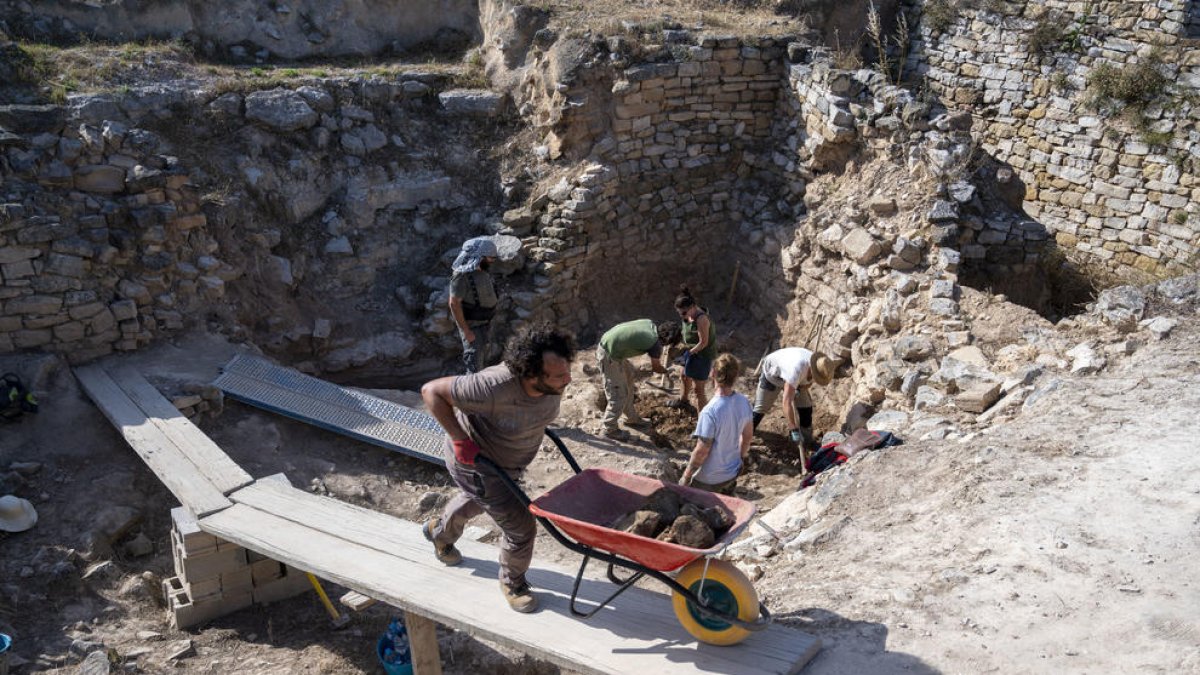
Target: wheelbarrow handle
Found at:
563, 449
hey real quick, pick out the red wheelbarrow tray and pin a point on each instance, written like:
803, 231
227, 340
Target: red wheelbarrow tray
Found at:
583, 505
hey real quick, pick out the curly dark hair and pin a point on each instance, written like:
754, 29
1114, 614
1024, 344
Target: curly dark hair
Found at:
669, 333
525, 350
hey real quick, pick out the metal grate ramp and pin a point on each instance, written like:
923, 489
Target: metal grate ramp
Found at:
265, 385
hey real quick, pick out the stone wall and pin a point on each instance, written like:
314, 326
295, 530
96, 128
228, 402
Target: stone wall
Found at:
650, 208
242, 30
1120, 192
102, 242
315, 220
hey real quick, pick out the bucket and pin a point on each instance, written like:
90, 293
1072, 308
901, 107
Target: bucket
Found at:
5, 644
385, 643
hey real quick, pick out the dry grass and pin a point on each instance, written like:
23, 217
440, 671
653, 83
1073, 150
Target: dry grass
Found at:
606, 17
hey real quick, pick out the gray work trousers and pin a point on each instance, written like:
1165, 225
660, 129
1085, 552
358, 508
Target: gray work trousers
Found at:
618, 388
481, 491
475, 353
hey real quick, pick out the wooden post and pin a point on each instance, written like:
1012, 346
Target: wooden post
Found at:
422, 640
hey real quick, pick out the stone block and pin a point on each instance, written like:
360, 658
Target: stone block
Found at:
473, 103
28, 339
34, 304
17, 254
124, 310
280, 109
978, 397
100, 178
861, 247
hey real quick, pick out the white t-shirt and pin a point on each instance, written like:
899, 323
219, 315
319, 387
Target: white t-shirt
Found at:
790, 365
722, 421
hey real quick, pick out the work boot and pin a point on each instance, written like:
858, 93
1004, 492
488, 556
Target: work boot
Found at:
637, 421
520, 597
615, 433
447, 555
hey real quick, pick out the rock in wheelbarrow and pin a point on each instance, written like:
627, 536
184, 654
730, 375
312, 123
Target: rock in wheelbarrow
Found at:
719, 518
668, 504
690, 531
641, 523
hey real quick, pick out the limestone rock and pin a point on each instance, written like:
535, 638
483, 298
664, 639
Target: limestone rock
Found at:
882, 206
943, 211
978, 397
32, 119
473, 102
861, 247
100, 178
1180, 289
1121, 306
1085, 360
1160, 326
280, 109
913, 348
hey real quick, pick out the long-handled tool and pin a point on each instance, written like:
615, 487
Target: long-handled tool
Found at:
339, 620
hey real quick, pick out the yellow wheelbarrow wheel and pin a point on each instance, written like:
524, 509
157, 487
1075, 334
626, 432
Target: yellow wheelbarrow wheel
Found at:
724, 588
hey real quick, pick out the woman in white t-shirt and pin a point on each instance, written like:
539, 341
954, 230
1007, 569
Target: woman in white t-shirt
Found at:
723, 433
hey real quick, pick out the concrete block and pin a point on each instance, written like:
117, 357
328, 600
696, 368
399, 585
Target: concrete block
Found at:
194, 568
236, 581
265, 571
291, 584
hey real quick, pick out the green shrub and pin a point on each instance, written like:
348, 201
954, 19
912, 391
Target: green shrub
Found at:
1046, 36
939, 15
1110, 86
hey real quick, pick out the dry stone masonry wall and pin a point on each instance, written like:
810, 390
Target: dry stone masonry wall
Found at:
1118, 184
102, 241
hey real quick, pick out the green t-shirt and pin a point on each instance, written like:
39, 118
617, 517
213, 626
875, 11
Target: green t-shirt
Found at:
632, 338
691, 336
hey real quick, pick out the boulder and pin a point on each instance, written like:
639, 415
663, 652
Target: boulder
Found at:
32, 119
100, 178
473, 102
882, 206
1160, 326
943, 211
913, 348
861, 247
1085, 360
641, 523
1180, 289
280, 110
978, 397
1121, 307
689, 531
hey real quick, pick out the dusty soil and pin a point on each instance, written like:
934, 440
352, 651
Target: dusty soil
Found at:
1058, 542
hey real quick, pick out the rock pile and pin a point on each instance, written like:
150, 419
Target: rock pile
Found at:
668, 516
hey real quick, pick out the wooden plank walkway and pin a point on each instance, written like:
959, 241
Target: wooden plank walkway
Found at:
387, 558
169, 447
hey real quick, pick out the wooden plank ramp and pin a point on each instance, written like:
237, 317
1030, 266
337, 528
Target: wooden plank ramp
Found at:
170, 456
387, 558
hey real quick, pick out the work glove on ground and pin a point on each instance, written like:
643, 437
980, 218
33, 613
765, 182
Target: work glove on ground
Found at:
465, 451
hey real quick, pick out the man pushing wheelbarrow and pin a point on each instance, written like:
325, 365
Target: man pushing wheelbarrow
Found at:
495, 421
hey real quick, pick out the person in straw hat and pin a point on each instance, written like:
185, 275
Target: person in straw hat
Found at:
16, 514
795, 370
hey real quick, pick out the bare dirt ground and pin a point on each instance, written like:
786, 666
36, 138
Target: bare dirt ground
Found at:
1062, 541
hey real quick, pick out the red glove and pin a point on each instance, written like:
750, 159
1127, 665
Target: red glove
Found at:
465, 451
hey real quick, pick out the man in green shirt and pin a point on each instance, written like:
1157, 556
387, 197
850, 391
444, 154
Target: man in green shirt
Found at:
619, 344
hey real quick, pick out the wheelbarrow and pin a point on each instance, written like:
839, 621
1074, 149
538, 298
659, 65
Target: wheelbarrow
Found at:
712, 599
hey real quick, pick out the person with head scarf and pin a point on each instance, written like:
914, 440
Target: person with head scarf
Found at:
473, 299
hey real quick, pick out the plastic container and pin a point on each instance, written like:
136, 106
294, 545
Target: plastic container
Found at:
5, 645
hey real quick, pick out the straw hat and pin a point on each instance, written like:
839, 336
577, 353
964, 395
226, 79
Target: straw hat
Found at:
822, 368
16, 514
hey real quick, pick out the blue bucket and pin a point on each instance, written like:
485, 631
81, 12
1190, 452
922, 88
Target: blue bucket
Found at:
5, 644
385, 643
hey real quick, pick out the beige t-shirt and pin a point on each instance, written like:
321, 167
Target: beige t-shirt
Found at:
495, 411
